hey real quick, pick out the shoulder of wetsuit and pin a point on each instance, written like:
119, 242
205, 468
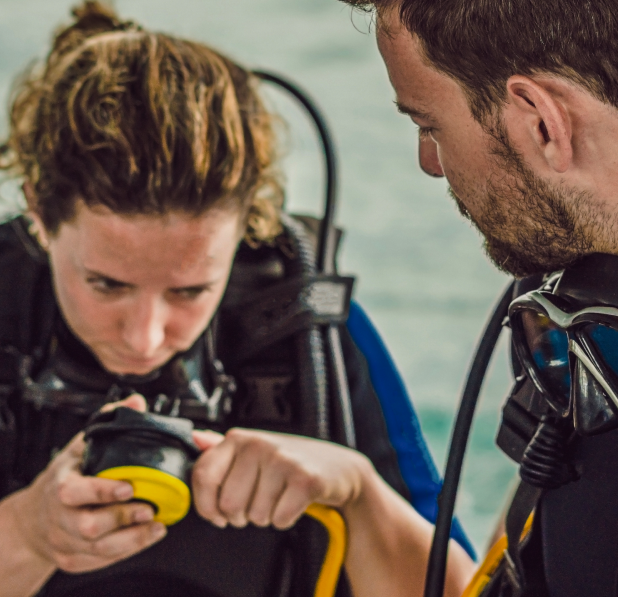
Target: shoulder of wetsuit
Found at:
26, 296
26, 299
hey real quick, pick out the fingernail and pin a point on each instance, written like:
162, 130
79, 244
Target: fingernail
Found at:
219, 522
158, 530
144, 514
124, 491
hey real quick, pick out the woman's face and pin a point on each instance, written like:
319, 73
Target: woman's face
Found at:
138, 289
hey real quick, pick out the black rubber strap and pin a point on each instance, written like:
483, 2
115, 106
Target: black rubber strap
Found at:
524, 502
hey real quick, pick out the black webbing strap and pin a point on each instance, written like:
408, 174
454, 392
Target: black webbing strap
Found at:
524, 502
294, 304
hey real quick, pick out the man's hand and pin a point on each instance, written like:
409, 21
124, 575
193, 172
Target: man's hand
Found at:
83, 523
268, 478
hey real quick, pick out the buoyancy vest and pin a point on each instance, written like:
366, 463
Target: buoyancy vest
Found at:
271, 371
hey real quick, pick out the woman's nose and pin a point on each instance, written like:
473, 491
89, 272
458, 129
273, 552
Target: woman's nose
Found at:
144, 327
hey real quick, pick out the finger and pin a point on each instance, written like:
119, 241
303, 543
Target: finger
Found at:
91, 524
76, 490
270, 487
134, 401
209, 472
239, 486
112, 548
296, 497
207, 439
128, 541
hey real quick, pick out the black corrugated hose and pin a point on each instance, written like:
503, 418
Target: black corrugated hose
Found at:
436, 568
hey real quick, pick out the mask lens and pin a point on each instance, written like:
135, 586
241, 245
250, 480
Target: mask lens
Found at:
605, 340
548, 346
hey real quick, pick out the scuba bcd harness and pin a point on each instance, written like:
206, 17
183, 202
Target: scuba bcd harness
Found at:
277, 331
565, 337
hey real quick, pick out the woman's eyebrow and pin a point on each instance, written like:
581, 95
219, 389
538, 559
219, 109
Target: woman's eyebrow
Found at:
92, 272
204, 286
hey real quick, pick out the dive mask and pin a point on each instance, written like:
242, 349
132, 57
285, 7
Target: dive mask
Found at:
566, 337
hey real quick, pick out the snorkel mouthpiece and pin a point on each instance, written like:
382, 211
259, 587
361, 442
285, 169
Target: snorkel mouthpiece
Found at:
153, 453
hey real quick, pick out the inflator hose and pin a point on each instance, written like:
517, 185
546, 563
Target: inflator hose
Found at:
325, 264
309, 343
436, 568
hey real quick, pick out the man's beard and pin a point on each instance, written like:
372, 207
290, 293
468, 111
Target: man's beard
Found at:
529, 225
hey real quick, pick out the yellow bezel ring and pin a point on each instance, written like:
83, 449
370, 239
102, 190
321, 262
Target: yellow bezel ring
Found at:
170, 496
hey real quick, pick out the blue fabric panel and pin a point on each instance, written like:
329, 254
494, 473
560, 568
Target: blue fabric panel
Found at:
415, 462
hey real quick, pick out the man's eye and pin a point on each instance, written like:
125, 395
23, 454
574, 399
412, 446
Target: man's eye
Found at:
424, 132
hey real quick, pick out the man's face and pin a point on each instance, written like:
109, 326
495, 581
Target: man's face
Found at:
529, 226
138, 289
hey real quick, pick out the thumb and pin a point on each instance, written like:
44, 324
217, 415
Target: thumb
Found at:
135, 401
207, 439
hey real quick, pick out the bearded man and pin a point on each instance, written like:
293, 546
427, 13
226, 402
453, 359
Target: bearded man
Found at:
516, 104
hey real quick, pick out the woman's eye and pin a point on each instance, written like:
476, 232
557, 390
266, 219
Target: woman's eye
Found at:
188, 293
105, 285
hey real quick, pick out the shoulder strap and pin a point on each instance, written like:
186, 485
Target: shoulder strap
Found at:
278, 310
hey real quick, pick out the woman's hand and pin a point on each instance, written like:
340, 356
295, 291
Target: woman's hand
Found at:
269, 478
79, 523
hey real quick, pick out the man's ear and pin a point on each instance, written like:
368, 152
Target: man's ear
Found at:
544, 116
37, 228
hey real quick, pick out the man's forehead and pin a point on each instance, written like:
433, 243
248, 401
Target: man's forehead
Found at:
408, 70
420, 88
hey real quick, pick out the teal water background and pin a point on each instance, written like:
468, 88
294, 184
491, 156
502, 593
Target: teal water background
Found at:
422, 275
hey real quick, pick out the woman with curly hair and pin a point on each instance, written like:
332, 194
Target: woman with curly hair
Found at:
148, 170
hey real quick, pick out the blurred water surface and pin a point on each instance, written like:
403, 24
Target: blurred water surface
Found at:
422, 275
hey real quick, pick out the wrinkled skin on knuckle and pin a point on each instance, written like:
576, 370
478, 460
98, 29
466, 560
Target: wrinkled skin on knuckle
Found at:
202, 477
308, 484
98, 549
238, 523
237, 435
56, 539
142, 539
204, 489
64, 492
230, 506
88, 526
259, 518
204, 505
284, 522
68, 563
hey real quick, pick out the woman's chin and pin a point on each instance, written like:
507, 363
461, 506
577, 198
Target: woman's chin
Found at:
139, 367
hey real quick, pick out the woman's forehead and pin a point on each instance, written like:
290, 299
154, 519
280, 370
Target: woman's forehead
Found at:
146, 248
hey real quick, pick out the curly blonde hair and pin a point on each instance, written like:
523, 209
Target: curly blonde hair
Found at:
142, 122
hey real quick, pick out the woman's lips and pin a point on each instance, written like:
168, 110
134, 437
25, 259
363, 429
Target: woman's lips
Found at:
129, 364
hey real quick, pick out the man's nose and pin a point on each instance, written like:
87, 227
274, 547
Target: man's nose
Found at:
144, 326
428, 157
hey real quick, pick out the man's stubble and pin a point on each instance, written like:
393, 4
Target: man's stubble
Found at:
529, 225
